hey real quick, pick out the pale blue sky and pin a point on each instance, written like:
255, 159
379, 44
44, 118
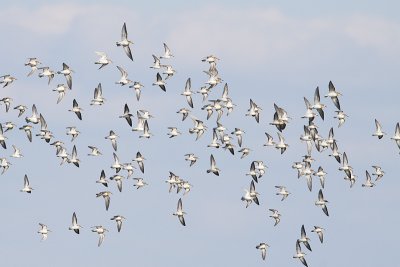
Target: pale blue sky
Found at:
271, 52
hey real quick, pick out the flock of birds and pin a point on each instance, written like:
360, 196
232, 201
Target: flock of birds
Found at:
220, 139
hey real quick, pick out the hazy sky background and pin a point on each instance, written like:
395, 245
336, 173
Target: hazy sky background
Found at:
270, 51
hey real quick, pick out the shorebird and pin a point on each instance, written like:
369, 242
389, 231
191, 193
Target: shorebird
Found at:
281, 145
270, 140
304, 239
335, 152
204, 91
98, 99
139, 183
169, 71
102, 180
156, 64
263, 248
116, 165
378, 133
282, 191
118, 219
167, 52
17, 153
321, 202
106, 195
73, 132
250, 195
320, 232
187, 93
245, 152
179, 212
253, 173
7, 101
7, 79
210, 59
46, 72
137, 86
317, 103
351, 177
2, 138
100, 230
33, 63
76, 109
44, 231
159, 81
345, 165
199, 128
35, 116
5, 164
396, 136
378, 172
146, 133
185, 113
103, 60
124, 77
173, 132
61, 90
21, 109
125, 42
276, 216
239, 135
140, 161
321, 174
67, 71
192, 158
341, 116
368, 182
299, 254
75, 226
74, 157
118, 179
310, 115
213, 167
254, 111
113, 138
127, 115
333, 94
94, 151
27, 188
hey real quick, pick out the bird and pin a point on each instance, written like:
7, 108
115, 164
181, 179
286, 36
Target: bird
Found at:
33, 63
159, 81
116, 165
98, 99
263, 248
103, 60
317, 104
320, 232
76, 109
125, 42
73, 132
139, 183
167, 52
140, 161
21, 109
270, 140
44, 231
185, 113
321, 174
254, 111
368, 182
106, 195
213, 167
276, 216
7, 79
46, 72
2, 138
333, 94
137, 86
173, 132
35, 116
100, 230
102, 180
94, 151
127, 115
67, 71
124, 77
299, 254
282, 191
378, 133
179, 212
17, 152
61, 90
250, 195
321, 202
74, 157
113, 138
169, 71
7, 101
378, 172
188, 93
27, 129
239, 135
118, 219
245, 152
341, 116
304, 239
27, 188
281, 145
75, 226
191, 158
146, 133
